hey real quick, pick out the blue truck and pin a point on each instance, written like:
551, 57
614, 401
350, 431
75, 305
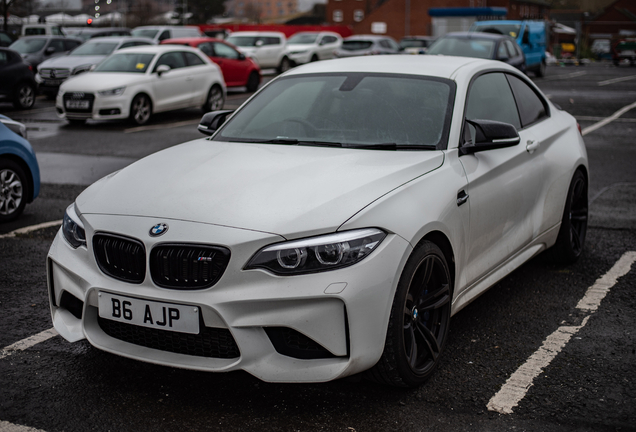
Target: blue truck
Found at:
530, 35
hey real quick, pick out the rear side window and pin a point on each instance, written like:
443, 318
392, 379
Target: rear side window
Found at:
270, 40
490, 98
34, 31
70, 44
532, 108
173, 59
193, 59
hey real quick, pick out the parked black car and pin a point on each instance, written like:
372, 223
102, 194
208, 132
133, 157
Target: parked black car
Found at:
36, 49
17, 81
480, 45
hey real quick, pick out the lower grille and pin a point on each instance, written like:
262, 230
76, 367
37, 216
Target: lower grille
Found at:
294, 344
210, 342
72, 101
120, 257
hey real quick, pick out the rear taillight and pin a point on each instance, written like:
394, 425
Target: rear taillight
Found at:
579, 127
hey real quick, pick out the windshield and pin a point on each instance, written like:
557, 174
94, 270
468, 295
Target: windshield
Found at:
347, 110
413, 43
243, 41
504, 29
95, 48
479, 48
126, 62
355, 45
303, 38
28, 46
147, 33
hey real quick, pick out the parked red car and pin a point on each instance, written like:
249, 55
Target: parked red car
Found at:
238, 70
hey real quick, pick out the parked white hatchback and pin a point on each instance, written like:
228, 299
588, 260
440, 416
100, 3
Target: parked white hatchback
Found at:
305, 47
266, 48
136, 82
331, 225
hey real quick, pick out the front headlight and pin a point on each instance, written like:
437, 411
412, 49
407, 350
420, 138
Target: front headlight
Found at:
82, 69
73, 229
112, 92
316, 254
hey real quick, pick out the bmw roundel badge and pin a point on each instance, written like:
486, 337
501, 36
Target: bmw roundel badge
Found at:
158, 230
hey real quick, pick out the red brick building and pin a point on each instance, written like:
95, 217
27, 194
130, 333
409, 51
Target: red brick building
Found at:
618, 18
399, 18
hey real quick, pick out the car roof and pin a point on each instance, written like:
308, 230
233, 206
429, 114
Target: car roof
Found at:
154, 49
367, 37
418, 38
432, 66
191, 39
257, 33
477, 35
118, 39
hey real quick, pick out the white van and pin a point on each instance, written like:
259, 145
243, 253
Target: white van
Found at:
41, 30
159, 33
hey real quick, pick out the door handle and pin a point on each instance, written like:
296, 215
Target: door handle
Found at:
532, 145
462, 197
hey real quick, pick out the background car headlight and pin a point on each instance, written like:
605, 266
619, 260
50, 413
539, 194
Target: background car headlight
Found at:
72, 228
112, 92
316, 254
82, 69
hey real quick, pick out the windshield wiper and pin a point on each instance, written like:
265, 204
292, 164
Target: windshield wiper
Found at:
294, 141
391, 146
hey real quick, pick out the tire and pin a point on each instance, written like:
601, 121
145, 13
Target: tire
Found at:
285, 65
215, 100
140, 109
541, 70
24, 96
314, 58
419, 321
13, 190
571, 239
253, 81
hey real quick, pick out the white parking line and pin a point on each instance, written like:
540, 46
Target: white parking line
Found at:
28, 229
565, 76
516, 387
608, 120
10, 427
616, 80
28, 342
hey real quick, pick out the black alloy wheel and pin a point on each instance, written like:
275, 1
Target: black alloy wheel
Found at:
571, 239
24, 96
215, 100
140, 109
252, 82
419, 321
285, 65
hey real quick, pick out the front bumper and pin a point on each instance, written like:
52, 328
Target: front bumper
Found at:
271, 319
101, 108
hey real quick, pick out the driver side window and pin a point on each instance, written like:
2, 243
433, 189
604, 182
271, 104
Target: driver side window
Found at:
490, 98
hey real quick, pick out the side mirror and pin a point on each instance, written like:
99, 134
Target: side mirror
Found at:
161, 69
480, 135
211, 121
49, 51
259, 43
241, 56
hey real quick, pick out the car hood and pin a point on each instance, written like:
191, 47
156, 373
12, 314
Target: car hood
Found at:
71, 61
96, 81
292, 191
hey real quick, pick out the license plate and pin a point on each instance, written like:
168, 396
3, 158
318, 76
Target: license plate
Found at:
52, 82
147, 313
77, 104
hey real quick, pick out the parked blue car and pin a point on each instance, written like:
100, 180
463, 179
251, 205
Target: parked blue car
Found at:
19, 170
530, 35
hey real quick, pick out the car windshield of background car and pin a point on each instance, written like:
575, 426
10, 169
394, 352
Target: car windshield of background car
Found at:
243, 41
147, 33
126, 62
463, 47
301, 39
511, 30
412, 43
355, 45
387, 111
95, 48
28, 46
